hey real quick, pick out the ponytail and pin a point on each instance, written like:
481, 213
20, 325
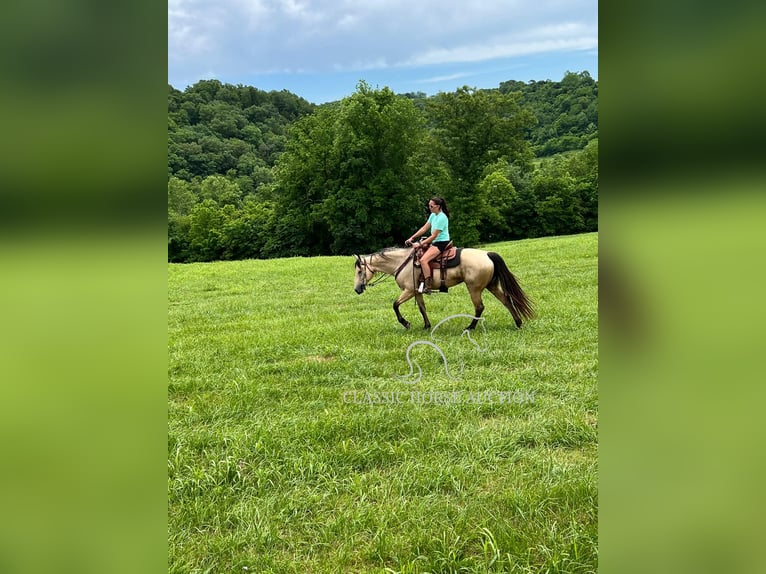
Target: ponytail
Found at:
441, 203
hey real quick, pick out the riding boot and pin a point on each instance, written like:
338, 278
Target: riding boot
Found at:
427, 288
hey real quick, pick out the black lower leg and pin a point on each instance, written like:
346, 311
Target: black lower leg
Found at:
477, 315
422, 307
399, 317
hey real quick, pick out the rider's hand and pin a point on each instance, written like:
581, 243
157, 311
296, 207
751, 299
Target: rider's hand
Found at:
408, 242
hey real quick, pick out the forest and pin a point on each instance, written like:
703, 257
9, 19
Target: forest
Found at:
256, 174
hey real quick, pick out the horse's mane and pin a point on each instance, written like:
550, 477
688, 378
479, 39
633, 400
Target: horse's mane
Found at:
385, 251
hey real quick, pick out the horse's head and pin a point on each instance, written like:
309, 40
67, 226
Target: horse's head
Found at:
362, 274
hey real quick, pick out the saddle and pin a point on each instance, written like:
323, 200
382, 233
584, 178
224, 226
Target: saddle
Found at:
448, 258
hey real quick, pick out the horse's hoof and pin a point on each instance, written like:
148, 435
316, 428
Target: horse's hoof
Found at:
518, 323
406, 325
427, 326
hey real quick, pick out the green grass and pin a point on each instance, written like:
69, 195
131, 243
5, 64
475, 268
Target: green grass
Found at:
271, 470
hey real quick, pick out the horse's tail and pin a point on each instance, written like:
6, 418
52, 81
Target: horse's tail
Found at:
511, 287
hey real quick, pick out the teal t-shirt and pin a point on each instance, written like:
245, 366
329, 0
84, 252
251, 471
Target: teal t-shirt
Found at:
440, 221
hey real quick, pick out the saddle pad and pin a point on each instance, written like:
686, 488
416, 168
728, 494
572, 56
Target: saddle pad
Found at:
453, 262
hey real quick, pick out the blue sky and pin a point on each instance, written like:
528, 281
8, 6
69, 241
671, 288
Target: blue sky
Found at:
321, 49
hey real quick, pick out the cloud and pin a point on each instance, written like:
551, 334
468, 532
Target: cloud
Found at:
447, 78
503, 48
241, 37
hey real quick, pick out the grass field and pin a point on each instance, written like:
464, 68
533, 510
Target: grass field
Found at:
297, 444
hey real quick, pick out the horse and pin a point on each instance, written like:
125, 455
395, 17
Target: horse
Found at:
478, 269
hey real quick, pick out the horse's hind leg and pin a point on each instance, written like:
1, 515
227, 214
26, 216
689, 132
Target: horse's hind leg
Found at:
405, 296
478, 305
498, 292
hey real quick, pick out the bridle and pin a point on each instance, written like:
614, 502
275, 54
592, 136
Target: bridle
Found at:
366, 266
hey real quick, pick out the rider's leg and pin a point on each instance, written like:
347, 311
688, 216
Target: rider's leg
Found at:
425, 261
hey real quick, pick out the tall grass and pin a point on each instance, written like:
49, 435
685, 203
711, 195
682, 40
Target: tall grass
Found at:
296, 442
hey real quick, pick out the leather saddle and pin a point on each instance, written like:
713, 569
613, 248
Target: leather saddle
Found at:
448, 258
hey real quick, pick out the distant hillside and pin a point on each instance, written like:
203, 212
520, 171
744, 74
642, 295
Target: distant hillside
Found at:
255, 174
566, 111
235, 131
239, 131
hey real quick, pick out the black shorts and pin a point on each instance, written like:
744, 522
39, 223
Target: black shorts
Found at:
440, 245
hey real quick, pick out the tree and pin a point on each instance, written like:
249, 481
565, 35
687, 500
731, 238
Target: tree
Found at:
495, 193
178, 237
347, 179
246, 233
583, 167
206, 223
475, 128
181, 201
211, 126
566, 111
558, 207
303, 174
266, 174
181, 196
220, 190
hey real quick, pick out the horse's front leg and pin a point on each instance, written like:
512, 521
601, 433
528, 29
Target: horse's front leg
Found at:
406, 295
422, 307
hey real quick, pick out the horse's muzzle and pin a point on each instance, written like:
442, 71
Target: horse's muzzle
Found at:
359, 289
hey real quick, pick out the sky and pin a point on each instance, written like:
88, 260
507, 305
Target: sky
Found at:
320, 49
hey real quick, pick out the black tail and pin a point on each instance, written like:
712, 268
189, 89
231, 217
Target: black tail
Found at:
511, 287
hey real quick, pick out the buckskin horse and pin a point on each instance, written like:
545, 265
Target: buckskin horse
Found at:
478, 269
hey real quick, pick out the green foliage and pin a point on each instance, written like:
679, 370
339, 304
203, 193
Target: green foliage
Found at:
206, 222
246, 232
496, 194
178, 238
347, 180
220, 129
566, 111
583, 166
566, 190
473, 129
254, 174
557, 207
181, 197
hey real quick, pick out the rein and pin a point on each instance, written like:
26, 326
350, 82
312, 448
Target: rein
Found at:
406, 259
385, 275
378, 280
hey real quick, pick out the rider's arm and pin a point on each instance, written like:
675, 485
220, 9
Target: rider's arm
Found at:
420, 231
430, 239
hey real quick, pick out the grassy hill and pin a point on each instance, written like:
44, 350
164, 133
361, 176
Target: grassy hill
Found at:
296, 442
